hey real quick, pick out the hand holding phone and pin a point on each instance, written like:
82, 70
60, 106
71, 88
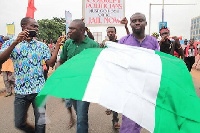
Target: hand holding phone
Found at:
32, 33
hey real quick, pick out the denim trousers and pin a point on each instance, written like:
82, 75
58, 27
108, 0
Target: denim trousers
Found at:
81, 108
21, 105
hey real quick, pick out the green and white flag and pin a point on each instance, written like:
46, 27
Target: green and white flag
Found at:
152, 88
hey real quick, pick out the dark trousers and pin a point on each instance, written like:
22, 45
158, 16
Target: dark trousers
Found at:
81, 108
189, 62
115, 117
21, 105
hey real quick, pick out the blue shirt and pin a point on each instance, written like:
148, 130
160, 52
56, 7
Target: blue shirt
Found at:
27, 60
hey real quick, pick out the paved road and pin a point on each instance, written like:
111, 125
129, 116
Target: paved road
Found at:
99, 122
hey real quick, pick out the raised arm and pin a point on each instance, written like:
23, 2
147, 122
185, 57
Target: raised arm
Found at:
125, 22
89, 33
52, 60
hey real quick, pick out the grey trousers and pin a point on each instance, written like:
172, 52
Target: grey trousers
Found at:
8, 78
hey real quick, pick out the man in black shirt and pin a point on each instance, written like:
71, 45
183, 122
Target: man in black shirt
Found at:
111, 33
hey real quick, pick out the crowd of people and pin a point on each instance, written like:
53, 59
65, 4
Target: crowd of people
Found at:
32, 58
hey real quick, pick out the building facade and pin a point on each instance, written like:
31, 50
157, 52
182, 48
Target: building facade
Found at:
195, 28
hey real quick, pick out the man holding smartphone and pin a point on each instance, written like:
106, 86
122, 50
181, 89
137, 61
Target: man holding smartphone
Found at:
165, 43
169, 47
27, 55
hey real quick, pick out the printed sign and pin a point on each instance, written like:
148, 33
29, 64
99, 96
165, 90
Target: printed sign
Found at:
10, 29
162, 25
103, 12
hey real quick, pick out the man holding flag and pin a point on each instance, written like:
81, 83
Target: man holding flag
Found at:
139, 39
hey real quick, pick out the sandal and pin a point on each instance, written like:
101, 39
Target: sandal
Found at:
116, 126
108, 111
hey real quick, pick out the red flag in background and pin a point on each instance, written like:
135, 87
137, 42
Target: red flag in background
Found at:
30, 9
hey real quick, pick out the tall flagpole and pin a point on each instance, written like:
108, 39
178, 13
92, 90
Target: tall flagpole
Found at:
163, 11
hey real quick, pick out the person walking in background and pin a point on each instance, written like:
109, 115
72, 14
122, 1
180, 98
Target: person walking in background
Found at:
169, 47
184, 46
139, 39
1, 42
78, 42
165, 43
111, 33
27, 55
8, 76
177, 49
8, 73
190, 53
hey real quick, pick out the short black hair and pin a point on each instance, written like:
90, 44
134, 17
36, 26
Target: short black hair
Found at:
25, 20
112, 27
79, 22
138, 13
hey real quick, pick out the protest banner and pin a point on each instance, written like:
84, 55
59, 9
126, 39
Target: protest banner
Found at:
68, 18
103, 12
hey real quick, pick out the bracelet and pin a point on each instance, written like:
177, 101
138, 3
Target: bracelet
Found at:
87, 30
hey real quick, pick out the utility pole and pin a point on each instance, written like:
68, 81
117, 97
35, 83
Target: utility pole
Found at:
162, 11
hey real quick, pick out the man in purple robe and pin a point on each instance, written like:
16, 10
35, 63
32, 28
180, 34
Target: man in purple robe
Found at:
139, 39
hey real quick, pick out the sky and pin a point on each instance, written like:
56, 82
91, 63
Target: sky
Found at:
178, 17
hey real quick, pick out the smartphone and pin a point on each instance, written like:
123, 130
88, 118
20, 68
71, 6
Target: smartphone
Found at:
32, 33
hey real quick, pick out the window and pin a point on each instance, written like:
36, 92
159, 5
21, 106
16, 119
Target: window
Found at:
195, 21
97, 36
197, 32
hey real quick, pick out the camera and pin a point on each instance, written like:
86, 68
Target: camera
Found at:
32, 33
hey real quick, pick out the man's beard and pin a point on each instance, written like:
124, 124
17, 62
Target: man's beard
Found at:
137, 31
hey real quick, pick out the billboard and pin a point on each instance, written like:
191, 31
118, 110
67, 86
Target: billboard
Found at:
103, 12
162, 25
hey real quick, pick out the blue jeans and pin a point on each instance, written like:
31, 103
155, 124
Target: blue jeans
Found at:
81, 109
21, 105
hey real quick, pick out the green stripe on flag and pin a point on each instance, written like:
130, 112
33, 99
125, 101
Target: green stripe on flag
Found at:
173, 114
74, 77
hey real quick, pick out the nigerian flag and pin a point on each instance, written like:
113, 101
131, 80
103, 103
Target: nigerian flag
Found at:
152, 88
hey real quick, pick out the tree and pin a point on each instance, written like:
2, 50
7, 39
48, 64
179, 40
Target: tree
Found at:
51, 29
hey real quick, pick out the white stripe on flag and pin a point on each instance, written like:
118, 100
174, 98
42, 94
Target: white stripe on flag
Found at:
131, 85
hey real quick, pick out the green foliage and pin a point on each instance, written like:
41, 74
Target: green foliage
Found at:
51, 29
